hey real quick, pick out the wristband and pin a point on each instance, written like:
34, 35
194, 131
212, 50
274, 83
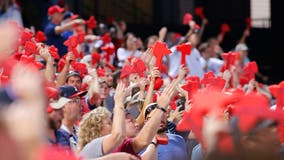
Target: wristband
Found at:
155, 144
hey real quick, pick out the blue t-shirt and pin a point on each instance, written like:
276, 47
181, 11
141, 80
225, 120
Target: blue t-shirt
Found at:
55, 39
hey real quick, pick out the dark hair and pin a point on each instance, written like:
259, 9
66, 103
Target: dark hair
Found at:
73, 73
124, 45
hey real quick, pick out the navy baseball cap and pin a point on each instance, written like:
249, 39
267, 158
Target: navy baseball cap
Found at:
71, 92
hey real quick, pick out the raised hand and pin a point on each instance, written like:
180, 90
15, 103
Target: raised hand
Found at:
166, 96
120, 93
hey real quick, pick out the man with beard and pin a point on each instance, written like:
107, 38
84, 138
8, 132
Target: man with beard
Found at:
69, 96
175, 148
55, 116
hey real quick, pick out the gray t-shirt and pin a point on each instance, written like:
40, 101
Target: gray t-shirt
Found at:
93, 149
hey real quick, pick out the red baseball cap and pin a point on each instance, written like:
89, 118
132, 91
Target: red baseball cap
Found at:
55, 8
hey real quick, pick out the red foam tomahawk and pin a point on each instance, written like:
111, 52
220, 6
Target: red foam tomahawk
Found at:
187, 18
199, 12
91, 22
159, 50
106, 38
278, 92
109, 50
185, 49
225, 28
40, 36
230, 59
249, 73
31, 48
192, 85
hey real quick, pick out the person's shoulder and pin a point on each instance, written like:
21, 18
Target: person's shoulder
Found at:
216, 60
121, 49
175, 137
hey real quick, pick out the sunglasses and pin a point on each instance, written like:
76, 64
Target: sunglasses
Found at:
149, 109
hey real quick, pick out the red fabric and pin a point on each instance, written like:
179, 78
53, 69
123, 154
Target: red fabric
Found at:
56, 152
4, 80
126, 146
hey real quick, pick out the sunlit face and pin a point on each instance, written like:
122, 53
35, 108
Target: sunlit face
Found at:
57, 17
72, 110
104, 90
75, 81
106, 126
151, 42
163, 124
109, 78
130, 42
194, 40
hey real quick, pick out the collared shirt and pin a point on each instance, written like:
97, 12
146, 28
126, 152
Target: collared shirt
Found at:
67, 138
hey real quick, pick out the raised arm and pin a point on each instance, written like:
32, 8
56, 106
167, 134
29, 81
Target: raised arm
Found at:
117, 135
61, 79
202, 27
244, 36
49, 71
149, 130
149, 96
162, 34
68, 26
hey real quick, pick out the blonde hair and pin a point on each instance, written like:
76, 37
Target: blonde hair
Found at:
90, 126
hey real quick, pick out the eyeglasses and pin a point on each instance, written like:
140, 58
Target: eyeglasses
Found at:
75, 100
149, 109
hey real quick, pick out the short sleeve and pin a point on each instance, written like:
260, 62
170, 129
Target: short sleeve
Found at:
93, 149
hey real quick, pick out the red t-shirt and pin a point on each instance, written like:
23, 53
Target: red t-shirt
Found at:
126, 146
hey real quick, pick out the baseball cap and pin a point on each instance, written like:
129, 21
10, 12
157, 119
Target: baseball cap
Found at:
60, 103
54, 9
241, 47
68, 91
73, 73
